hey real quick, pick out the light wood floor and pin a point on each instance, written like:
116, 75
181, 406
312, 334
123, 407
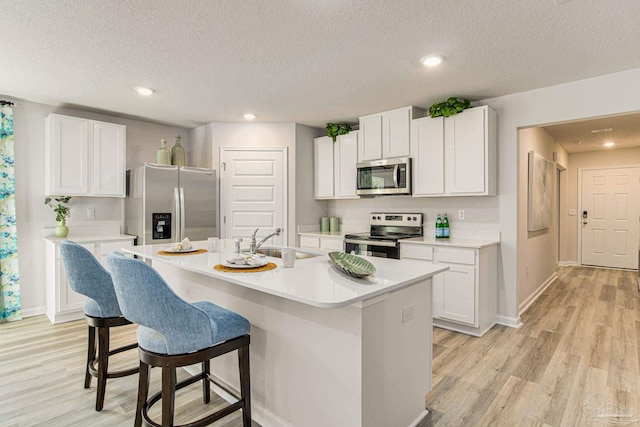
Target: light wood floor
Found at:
580, 340
579, 347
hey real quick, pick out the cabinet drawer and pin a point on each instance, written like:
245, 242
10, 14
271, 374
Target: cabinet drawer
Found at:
408, 250
309, 242
457, 256
332, 244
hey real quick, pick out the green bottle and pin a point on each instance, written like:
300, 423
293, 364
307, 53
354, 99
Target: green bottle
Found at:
439, 229
445, 227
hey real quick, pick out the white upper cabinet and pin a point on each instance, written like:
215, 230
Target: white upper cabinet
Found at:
84, 157
335, 166
427, 150
345, 158
455, 156
370, 147
470, 152
323, 167
386, 135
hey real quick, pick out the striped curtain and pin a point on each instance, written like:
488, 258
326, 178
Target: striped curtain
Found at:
10, 307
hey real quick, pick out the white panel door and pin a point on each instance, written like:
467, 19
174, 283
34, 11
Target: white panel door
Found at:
611, 203
253, 183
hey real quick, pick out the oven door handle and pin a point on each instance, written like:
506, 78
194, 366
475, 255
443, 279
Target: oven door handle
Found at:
370, 243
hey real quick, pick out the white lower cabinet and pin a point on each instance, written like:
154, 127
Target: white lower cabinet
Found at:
63, 304
465, 297
323, 243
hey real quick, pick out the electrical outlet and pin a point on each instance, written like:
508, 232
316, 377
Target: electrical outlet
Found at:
91, 213
348, 213
461, 214
407, 314
526, 270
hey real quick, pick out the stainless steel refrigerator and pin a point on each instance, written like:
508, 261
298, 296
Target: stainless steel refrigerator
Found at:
165, 204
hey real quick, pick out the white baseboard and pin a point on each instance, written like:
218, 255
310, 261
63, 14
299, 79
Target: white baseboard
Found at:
30, 312
524, 306
568, 264
512, 322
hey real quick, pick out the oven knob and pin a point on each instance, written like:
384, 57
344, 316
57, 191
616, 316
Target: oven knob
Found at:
415, 219
378, 218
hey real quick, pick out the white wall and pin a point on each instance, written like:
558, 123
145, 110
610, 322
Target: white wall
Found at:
298, 139
539, 267
622, 157
611, 94
31, 213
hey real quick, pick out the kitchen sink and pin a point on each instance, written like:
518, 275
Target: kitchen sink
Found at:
277, 253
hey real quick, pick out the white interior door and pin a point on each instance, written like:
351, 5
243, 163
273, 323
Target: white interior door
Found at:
253, 192
609, 217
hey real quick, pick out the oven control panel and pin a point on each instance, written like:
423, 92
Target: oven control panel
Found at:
396, 219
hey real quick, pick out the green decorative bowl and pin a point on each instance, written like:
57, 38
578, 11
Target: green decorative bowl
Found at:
351, 265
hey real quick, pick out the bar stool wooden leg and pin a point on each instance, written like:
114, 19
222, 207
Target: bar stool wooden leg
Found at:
168, 394
103, 365
245, 384
206, 390
91, 355
143, 392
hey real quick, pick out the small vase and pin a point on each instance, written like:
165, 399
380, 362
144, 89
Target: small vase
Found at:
61, 229
177, 153
163, 155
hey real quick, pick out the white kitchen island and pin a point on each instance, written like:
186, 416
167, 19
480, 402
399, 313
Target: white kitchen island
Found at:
326, 349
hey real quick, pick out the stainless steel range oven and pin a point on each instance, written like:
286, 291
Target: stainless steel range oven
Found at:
383, 239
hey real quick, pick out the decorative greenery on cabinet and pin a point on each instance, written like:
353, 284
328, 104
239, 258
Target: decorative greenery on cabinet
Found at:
450, 107
335, 129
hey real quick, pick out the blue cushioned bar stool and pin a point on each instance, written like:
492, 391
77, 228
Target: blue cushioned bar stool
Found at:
86, 276
173, 333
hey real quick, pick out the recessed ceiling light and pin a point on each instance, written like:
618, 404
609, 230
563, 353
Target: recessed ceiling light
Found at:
144, 91
602, 130
609, 144
432, 60
249, 116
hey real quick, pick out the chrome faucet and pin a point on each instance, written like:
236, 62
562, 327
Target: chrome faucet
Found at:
253, 247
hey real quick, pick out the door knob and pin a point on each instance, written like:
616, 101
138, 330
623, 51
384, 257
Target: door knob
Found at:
584, 222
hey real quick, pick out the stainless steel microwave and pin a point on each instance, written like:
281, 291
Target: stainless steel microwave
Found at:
384, 177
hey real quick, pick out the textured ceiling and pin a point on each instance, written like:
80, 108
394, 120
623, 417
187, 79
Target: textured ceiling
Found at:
305, 61
590, 135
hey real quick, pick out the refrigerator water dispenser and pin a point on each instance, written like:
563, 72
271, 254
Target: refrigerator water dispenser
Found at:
161, 225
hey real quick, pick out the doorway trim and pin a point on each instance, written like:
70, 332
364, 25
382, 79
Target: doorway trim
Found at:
578, 213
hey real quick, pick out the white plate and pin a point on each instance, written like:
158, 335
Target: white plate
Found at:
258, 263
181, 251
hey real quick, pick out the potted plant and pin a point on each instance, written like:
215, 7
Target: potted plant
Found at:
335, 129
62, 213
449, 107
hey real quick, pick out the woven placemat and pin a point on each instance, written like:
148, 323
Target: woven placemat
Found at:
199, 251
268, 266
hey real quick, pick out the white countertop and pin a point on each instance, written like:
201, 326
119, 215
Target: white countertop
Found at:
453, 242
313, 281
92, 238
339, 234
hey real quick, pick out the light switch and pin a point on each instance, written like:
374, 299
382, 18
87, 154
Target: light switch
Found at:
572, 212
